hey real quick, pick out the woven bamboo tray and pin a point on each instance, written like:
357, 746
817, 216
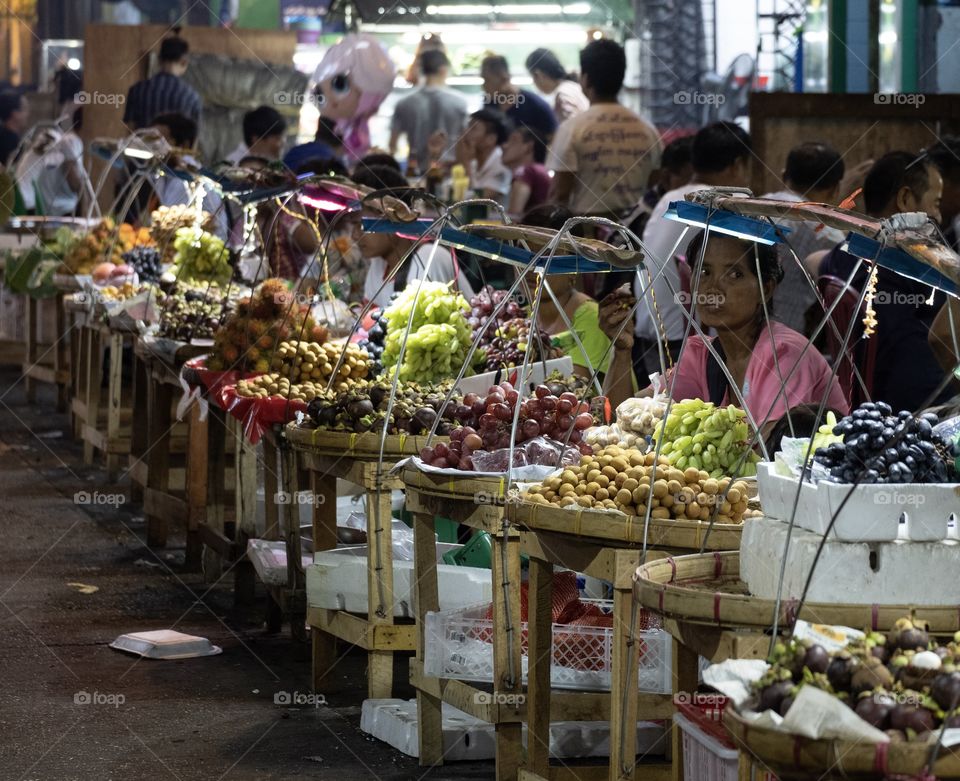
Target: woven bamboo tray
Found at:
609, 525
361, 446
791, 756
706, 589
493, 488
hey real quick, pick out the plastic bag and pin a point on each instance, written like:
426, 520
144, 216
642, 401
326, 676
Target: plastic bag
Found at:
335, 314
601, 436
540, 451
641, 415
256, 414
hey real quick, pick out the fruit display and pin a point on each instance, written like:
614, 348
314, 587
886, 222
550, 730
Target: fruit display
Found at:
901, 682
200, 257
363, 406
260, 323
880, 447
165, 221
616, 478
373, 344
104, 272
122, 293
438, 338
641, 415
104, 242
193, 312
601, 436
701, 435
145, 261
302, 362
274, 384
504, 337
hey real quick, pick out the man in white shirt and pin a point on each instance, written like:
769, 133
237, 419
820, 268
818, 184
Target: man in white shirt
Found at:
720, 158
479, 152
813, 173
602, 157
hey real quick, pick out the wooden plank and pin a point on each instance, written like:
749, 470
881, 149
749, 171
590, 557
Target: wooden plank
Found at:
379, 586
196, 487
426, 599
162, 504
30, 349
540, 645
505, 573
217, 541
623, 679
137, 470
360, 632
216, 493
579, 555
160, 397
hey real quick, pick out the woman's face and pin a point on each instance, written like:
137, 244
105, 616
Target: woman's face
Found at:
729, 295
541, 82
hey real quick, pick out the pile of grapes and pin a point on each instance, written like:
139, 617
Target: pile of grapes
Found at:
504, 338
373, 344
438, 339
880, 447
486, 423
200, 257
701, 435
145, 261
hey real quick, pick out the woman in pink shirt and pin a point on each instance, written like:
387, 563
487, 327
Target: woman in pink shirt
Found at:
775, 367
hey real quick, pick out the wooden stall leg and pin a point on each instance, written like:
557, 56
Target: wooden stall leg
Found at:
427, 599
61, 357
296, 577
539, 654
158, 462
138, 430
216, 478
324, 538
79, 377
245, 506
623, 681
94, 392
379, 587
114, 404
30, 351
507, 650
686, 678
271, 486
196, 486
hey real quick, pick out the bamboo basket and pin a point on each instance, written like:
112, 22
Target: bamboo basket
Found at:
492, 489
617, 527
364, 446
706, 589
793, 756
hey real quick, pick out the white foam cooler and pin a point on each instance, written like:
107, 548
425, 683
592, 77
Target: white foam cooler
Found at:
895, 573
337, 580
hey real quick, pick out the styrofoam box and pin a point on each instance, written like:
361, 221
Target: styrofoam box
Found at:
349, 499
871, 513
458, 646
269, 559
468, 739
704, 758
337, 580
902, 572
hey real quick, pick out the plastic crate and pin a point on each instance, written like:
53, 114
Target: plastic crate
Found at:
709, 753
458, 645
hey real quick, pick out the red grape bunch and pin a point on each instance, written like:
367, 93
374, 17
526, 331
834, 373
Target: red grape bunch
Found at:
486, 423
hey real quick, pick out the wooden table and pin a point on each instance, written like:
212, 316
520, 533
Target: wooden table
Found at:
328, 456
46, 362
478, 504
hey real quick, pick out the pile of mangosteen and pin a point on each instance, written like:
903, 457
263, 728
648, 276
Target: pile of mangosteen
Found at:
899, 682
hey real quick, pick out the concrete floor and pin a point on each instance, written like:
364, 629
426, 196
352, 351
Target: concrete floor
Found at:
211, 718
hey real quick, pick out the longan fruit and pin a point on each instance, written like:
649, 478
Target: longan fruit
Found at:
661, 488
565, 490
710, 486
585, 501
602, 480
705, 513
609, 471
679, 509
592, 475
605, 460
549, 495
667, 500
724, 519
569, 476
661, 513
637, 458
620, 464
641, 510
592, 488
601, 494
704, 475
726, 508
693, 511
567, 501
580, 489
676, 474
630, 483
624, 496
635, 472
691, 475
648, 459
620, 479
673, 487
687, 495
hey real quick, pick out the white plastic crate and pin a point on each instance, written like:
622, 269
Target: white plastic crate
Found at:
458, 646
705, 758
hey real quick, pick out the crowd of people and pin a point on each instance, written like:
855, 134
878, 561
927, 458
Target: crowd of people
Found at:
572, 148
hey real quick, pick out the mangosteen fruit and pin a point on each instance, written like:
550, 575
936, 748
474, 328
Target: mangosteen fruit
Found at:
424, 417
816, 659
840, 671
870, 675
874, 708
905, 717
945, 689
359, 408
785, 704
772, 696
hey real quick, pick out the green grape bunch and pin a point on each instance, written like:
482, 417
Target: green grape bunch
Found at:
439, 336
200, 257
701, 435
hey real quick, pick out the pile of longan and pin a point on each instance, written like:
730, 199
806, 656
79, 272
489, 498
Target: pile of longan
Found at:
616, 478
